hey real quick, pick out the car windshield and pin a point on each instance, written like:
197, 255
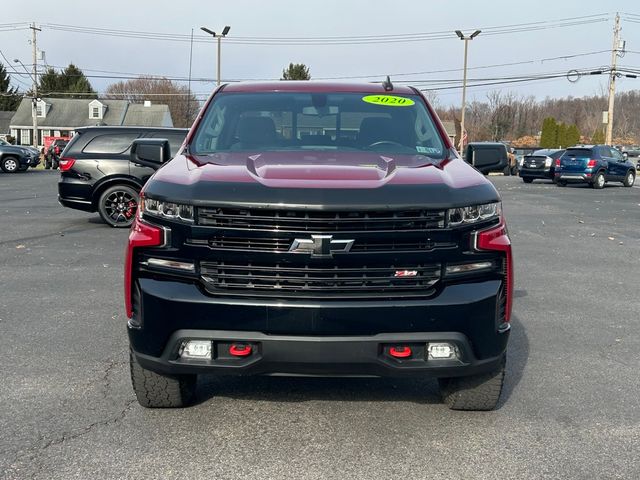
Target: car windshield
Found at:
325, 122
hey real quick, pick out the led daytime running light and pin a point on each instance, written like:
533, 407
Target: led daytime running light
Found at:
474, 214
168, 210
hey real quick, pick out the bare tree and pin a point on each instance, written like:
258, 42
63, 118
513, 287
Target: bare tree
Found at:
183, 105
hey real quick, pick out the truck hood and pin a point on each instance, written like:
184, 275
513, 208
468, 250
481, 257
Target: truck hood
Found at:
321, 180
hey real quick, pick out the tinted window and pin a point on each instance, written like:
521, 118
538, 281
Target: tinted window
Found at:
110, 143
282, 121
616, 154
175, 140
578, 152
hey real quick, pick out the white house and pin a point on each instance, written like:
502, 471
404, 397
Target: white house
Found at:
61, 116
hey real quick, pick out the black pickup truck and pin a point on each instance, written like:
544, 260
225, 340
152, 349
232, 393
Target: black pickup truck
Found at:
322, 229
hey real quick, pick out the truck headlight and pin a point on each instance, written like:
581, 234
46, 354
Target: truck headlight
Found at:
474, 214
548, 161
168, 210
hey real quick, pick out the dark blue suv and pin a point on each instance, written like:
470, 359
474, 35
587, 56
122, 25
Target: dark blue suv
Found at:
595, 165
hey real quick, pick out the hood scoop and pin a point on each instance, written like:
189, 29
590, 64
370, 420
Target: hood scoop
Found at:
310, 170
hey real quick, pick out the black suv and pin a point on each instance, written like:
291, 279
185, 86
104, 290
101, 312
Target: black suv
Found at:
96, 175
490, 157
540, 164
310, 228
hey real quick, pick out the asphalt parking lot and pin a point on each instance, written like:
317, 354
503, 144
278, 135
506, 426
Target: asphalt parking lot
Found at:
570, 408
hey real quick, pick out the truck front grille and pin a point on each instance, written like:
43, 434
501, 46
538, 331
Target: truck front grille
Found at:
283, 243
320, 221
281, 280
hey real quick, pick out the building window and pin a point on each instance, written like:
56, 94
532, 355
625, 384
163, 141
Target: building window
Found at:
95, 112
25, 137
46, 133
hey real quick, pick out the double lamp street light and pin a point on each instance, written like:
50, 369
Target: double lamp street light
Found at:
464, 83
225, 30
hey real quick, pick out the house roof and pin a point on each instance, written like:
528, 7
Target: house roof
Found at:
151, 116
73, 112
450, 127
5, 121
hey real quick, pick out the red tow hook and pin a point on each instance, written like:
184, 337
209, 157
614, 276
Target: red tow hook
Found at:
240, 350
400, 352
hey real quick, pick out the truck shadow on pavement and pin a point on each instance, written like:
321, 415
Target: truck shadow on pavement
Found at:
303, 389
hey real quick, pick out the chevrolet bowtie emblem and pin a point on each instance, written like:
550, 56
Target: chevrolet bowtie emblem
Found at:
320, 245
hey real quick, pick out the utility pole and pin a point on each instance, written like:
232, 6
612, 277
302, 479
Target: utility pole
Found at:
464, 84
34, 100
612, 79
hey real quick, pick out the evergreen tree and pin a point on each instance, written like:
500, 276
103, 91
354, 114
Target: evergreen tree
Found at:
68, 83
9, 96
549, 135
573, 135
296, 71
598, 136
561, 136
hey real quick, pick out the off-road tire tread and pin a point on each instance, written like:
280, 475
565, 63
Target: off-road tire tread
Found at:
475, 392
160, 391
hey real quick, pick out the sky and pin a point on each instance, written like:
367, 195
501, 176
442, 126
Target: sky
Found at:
535, 51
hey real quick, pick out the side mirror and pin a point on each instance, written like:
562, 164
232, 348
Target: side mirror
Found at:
150, 152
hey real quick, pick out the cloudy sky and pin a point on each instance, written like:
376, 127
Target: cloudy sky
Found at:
368, 39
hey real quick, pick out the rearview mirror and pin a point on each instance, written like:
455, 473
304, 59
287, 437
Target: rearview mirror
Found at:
150, 152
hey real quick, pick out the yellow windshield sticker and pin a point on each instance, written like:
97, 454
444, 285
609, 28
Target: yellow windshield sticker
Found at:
388, 100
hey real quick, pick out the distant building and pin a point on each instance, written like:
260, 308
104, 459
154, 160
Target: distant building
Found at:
450, 127
61, 116
5, 122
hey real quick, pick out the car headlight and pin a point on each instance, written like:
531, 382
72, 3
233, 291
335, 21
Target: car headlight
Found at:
168, 210
474, 214
548, 161
521, 161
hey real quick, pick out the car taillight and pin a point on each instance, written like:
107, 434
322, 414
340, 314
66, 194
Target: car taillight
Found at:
66, 163
142, 235
497, 239
557, 163
591, 163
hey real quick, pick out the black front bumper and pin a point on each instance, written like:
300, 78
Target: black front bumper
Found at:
321, 356
340, 338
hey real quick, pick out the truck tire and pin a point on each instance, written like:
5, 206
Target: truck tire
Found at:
475, 392
527, 179
161, 391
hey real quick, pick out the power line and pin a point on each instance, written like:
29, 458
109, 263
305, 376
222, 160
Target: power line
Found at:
335, 40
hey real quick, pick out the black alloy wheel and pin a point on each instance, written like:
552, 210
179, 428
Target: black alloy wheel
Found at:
118, 206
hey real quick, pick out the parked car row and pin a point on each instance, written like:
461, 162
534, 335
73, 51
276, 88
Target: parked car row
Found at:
592, 164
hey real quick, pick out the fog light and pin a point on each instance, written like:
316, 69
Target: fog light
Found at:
196, 349
439, 351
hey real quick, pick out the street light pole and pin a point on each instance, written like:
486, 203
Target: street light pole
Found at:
464, 83
225, 30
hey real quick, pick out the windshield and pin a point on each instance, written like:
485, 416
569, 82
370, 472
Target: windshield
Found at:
349, 122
